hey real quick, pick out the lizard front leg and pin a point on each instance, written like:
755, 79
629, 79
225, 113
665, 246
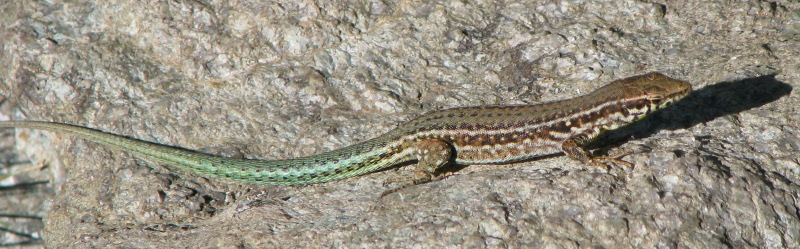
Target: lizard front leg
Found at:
574, 147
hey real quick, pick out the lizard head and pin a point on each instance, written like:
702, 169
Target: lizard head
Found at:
658, 89
640, 95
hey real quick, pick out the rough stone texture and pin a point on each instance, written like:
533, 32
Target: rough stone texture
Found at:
264, 79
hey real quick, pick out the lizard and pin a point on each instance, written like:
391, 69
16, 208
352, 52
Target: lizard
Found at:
463, 135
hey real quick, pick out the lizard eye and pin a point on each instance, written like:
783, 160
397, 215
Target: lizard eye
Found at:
630, 106
627, 106
657, 101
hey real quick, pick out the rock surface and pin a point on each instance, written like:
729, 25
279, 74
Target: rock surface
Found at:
280, 79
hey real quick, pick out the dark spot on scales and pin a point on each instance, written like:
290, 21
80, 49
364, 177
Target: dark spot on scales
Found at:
606, 111
486, 140
583, 119
560, 127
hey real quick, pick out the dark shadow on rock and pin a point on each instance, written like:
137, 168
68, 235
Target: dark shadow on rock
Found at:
703, 105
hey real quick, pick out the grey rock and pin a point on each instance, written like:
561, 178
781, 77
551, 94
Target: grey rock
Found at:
281, 79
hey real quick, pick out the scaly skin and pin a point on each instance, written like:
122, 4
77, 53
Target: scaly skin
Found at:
467, 135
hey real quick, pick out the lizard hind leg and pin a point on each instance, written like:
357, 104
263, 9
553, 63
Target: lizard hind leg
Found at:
431, 155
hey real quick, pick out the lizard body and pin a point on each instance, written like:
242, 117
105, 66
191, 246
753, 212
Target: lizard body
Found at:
467, 135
